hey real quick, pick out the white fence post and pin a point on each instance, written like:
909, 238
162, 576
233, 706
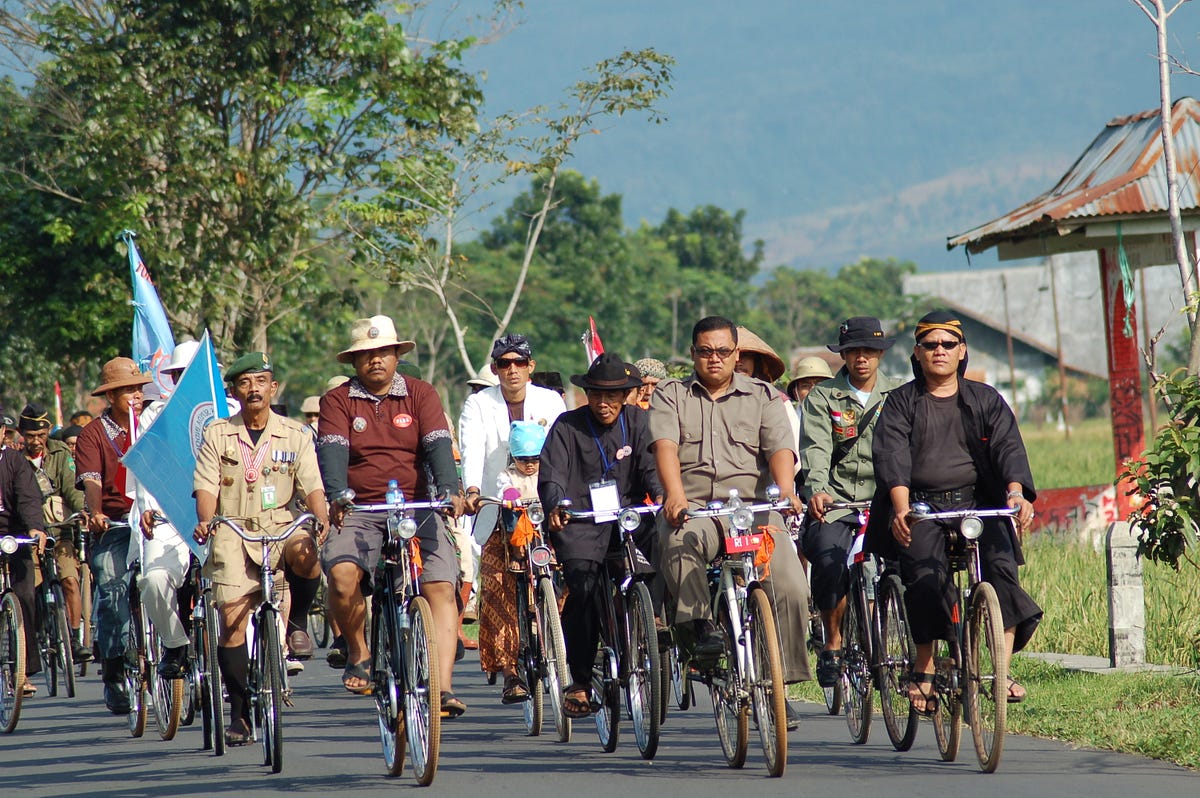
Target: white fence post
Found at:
1126, 598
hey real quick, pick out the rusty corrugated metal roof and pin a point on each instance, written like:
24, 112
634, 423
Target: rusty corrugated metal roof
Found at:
1121, 173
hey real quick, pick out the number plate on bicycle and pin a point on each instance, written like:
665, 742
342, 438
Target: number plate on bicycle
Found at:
736, 544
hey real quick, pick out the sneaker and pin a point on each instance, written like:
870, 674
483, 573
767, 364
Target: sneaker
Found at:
829, 668
294, 665
80, 653
337, 653
300, 644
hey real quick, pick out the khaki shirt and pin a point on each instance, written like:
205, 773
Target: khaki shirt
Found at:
831, 416
725, 443
289, 466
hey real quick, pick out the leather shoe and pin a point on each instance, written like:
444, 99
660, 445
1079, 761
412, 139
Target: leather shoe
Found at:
115, 698
174, 663
792, 716
829, 668
300, 644
80, 653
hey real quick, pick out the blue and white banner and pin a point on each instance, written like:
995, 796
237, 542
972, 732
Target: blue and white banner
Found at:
164, 456
152, 338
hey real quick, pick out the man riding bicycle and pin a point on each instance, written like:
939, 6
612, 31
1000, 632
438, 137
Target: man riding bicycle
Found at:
595, 453
377, 427
839, 421
712, 432
249, 468
54, 468
951, 443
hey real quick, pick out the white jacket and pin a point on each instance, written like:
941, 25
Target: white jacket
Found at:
483, 439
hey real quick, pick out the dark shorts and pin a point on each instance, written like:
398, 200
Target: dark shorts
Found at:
361, 538
825, 546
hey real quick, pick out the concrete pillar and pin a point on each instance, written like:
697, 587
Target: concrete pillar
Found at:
1126, 598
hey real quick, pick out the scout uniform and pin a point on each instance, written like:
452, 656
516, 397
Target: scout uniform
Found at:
254, 484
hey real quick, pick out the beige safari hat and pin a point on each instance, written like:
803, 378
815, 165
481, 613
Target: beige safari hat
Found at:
311, 404
120, 372
376, 332
485, 377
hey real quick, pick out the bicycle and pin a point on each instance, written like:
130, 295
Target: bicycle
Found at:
748, 675
53, 630
628, 657
541, 652
204, 676
816, 629
12, 637
86, 587
404, 654
266, 678
972, 668
319, 627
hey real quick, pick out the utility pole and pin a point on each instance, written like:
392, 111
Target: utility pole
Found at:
1012, 366
1062, 368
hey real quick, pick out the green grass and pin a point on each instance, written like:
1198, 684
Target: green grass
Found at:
1086, 459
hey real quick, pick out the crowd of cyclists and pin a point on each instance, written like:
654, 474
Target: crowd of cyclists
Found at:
723, 433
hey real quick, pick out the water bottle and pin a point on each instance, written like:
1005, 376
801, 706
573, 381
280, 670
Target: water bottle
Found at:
394, 496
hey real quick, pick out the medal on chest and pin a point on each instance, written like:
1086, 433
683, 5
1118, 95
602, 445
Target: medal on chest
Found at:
252, 461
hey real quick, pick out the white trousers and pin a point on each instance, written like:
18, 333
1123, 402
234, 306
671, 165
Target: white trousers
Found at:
165, 561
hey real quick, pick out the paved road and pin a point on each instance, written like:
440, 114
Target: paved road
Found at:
73, 747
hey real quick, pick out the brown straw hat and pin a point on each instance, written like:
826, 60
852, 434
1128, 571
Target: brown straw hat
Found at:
120, 372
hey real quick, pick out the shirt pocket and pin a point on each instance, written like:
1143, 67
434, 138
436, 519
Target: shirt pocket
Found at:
743, 435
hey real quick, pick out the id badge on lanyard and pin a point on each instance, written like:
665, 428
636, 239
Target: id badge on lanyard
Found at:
606, 502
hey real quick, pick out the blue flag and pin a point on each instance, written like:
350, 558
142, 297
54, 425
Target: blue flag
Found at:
164, 456
152, 338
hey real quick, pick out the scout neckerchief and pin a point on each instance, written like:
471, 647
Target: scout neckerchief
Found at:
622, 453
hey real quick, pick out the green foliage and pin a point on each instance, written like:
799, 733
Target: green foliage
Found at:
1165, 477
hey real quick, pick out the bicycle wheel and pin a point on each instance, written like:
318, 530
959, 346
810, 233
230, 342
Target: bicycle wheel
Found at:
987, 677
731, 711
168, 697
44, 639
318, 619
858, 692
528, 654
269, 704
135, 667
213, 695
644, 680
895, 663
12, 661
422, 692
767, 693
386, 675
816, 644
607, 687
61, 635
681, 689
554, 655
947, 719
85, 602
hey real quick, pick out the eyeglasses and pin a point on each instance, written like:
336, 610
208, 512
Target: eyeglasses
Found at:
534, 459
707, 352
930, 346
510, 362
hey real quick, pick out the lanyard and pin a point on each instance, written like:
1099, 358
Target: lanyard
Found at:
604, 457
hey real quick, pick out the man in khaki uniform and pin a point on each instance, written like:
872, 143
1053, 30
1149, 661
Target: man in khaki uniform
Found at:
249, 468
715, 431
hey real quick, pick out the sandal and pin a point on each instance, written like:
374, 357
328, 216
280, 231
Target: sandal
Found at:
1016, 691
452, 707
577, 702
237, 735
28, 689
357, 671
916, 693
514, 690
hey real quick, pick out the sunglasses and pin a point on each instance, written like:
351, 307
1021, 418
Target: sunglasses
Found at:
930, 346
510, 362
535, 459
706, 353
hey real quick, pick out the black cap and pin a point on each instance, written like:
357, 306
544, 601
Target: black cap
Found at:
861, 332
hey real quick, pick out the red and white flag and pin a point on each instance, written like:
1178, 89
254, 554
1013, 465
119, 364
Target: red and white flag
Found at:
592, 345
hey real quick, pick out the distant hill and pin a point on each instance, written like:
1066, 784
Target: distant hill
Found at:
844, 129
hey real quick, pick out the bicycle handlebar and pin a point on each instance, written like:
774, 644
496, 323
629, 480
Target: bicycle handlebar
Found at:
860, 505
954, 515
220, 520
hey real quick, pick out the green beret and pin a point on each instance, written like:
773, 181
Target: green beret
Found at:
252, 363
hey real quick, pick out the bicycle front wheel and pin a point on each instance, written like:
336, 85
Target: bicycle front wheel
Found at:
44, 640
168, 698
85, 602
422, 693
60, 633
767, 692
387, 677
269, 663
135, 668
731, 710
528, 656
554, 655
644, 678
987, 677
816, 644
895, 663
212, 694
12, 661
858, 692
947, 719
318, 618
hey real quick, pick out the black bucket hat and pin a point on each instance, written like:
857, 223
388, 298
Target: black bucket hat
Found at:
608, 373
862, 332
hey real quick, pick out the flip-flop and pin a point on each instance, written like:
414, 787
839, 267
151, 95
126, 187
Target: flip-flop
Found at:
930, 697
234, 738
452, 707
29, 690
1018, 697
358, 671
573, 707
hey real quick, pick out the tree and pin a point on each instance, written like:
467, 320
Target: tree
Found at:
228, 135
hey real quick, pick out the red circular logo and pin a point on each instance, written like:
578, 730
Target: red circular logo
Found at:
402, 420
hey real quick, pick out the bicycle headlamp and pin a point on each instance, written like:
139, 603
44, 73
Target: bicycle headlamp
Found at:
408, 528
540, 555
8, 544
742, 519
629, 520
972, 527
535, 514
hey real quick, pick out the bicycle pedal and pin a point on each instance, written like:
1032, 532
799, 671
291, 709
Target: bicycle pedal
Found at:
287, 698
